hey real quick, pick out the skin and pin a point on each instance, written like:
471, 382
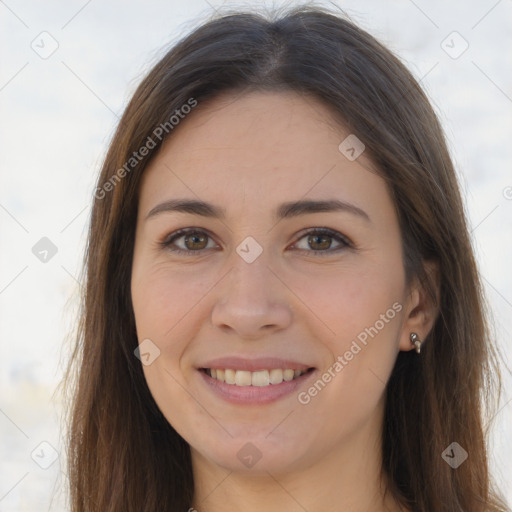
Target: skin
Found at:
249, 154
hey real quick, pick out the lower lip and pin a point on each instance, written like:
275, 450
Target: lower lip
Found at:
254, 395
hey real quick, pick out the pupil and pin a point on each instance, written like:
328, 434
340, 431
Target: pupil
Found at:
319, 237
195, 238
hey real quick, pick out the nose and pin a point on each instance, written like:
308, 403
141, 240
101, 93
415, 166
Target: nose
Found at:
252, 301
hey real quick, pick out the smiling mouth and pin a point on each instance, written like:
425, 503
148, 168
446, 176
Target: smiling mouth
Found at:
259, 378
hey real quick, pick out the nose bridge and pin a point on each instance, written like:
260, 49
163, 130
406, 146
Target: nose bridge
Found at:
251, 298
251, 280
251, 274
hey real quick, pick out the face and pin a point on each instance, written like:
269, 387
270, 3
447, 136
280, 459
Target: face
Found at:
269, 328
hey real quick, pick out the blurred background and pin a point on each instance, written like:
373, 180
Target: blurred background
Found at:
67, 71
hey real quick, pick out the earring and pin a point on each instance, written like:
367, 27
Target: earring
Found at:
415, 341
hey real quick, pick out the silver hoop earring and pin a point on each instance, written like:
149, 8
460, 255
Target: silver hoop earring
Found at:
415, 341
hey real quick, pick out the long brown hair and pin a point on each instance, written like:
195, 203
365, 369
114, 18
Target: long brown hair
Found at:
123, 455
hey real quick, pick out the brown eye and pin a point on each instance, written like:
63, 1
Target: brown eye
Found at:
187, 241
319, 241
195, 241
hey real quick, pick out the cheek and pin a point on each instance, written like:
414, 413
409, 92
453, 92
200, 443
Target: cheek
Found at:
165, 299
350, 301
168, 307
165, 303
360, 310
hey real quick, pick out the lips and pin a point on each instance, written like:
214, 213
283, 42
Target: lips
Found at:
254, 380
251, 364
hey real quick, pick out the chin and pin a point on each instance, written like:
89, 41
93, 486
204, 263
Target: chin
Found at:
254, 454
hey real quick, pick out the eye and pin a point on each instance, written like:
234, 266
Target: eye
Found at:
320, 240
196, 240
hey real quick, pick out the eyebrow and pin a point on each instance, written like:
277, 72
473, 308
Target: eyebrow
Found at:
283, 211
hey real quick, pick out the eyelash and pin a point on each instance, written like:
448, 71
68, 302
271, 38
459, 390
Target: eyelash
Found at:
346, 243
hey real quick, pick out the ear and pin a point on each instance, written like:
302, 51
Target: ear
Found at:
422, 306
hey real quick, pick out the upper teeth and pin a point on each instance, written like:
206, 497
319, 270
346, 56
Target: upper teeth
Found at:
259, 378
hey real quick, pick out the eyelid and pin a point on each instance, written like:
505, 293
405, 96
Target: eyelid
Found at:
336, 235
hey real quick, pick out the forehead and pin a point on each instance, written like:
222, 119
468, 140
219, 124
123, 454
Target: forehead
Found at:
278, 145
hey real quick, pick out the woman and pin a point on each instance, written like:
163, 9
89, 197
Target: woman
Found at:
282, 309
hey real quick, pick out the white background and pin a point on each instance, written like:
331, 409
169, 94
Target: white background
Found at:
58, 114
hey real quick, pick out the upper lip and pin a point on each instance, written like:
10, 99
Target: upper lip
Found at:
254, 364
